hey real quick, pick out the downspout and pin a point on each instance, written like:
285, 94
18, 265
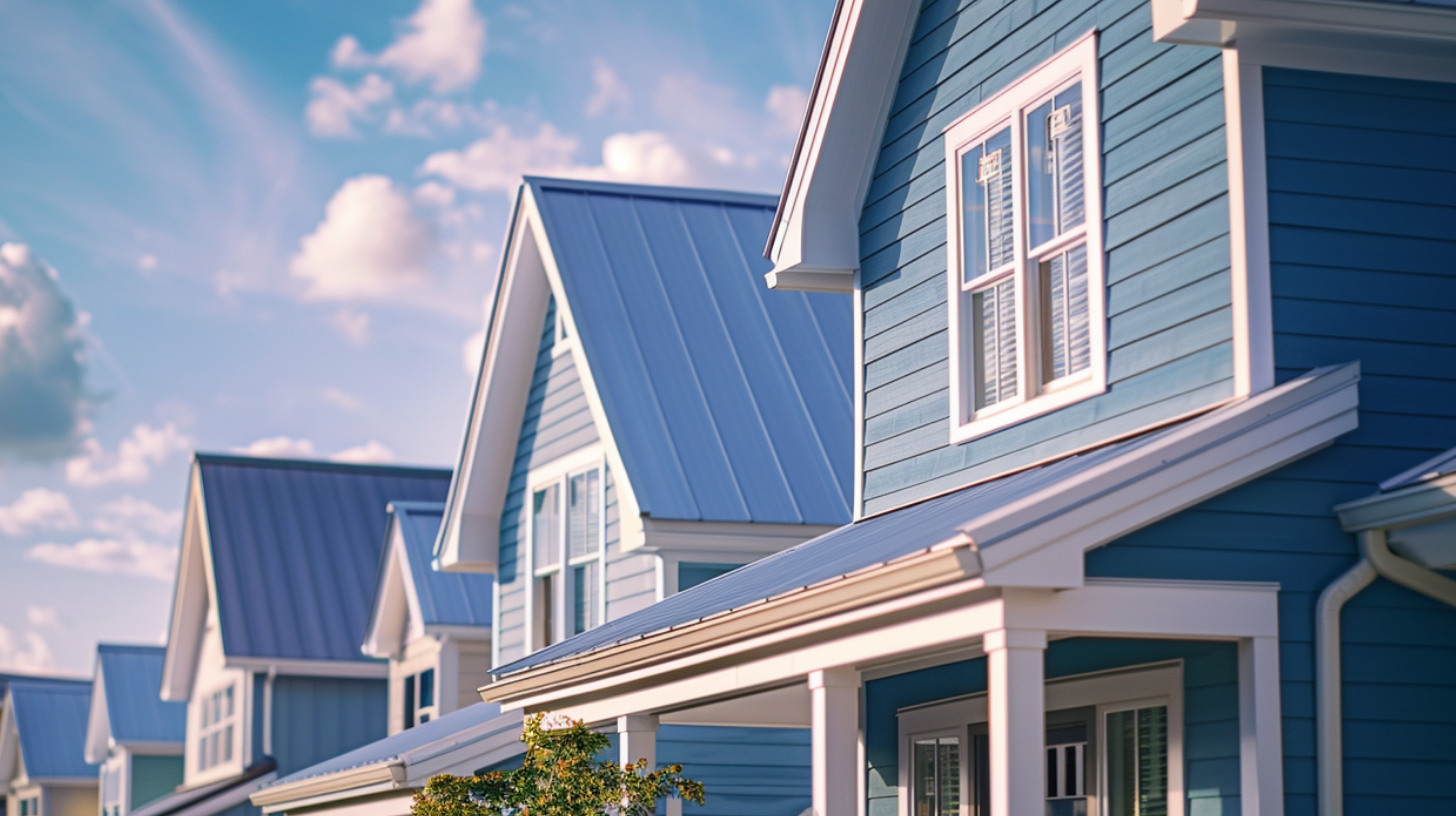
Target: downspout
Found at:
268, 711
1378, 559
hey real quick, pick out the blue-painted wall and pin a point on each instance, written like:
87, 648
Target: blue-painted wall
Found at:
318, 718
744, 771
1210, 711
1165, 183
153, 777
1362, 198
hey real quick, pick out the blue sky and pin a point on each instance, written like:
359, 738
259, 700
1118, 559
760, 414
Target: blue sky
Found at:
270, 226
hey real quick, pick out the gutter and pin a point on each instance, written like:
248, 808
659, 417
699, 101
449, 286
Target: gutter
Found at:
1377, 559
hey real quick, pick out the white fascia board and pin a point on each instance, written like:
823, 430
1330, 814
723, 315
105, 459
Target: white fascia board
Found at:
684, 538
392, 605
152, 747
194, 596
310, 668
363, 780
814, 245
345, 804
1040, 539
98, 723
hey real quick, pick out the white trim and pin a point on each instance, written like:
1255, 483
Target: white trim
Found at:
1261, 769
1005, 109
311, 668
98, 723
1252, 294
856, 502
193, 599
814, 243
746, 538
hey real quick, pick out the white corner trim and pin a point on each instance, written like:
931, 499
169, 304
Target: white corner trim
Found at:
815, 237
1252, 295
1261, 756
856, 499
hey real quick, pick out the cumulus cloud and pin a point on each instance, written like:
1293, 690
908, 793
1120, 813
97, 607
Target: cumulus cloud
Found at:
37, 509
371, 452
278, 447
609, 92
353, 325
42, 617
441, 44
133, 460
498, 160
369, 245
786, 104
27, 653
333, 107
147, 263
343, 399
474, 346
131, 517
42, 370
110, 555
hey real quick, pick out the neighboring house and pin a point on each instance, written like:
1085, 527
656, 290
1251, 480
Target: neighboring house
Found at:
43, 767
278, 564
1142, 292
432, 626
648, 417
381, 778
133, 735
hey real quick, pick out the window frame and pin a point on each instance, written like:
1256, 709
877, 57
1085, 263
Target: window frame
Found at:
219, 725
561, 618
1076, 62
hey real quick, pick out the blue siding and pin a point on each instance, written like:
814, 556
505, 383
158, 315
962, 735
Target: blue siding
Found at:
153, 777
557, 421
1165, 185
744, 771
316, 718
1362, 232
1210, 711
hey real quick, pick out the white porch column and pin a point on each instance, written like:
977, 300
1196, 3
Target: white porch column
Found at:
1016, 711
637, 739
1261, 750
835, 701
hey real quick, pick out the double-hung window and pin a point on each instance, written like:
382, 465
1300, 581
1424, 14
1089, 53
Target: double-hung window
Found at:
217, 729
1026, 282
419, 698
566, 548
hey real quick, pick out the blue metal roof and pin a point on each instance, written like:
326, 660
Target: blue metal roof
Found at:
132, 679
50, 716
392, 748
866, 543
295, 548
446, 598
728, 401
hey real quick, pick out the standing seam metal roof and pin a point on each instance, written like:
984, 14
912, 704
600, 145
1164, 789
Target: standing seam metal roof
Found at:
132, 679
728, 401
51, 716
446, 598
296, 546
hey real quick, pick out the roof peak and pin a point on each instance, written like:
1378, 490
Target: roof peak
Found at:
129, 647
279, 463
766, 200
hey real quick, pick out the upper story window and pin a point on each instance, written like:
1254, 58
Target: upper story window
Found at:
217, 728
566, 554
419, 698
1026, 281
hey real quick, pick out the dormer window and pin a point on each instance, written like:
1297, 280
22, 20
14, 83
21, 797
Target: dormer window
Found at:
1025, 240
566, 544
419, 698
217, 729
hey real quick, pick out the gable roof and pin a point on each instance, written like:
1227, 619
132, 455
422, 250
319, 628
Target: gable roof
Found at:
1067, 506
50, 720
720, 401
126, 696
294, 549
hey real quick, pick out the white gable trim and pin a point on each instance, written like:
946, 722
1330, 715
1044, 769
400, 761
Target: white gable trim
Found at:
814, 244
98, 721
193, 600
12, 769
396, 601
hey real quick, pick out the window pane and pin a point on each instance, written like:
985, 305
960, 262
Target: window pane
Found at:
993, 315
227, 744
925, 789
409, 701
998, 177
583, 514
228, 702
427, 688
1041, 222
1067, 348
586, 600
948, 769
202, 753
547, 589
973, 217
1137, 762
545, 528
1056, 200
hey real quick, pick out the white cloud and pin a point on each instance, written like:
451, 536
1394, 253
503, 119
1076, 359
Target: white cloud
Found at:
279, 447
110, 555
131, 517
353, 325
42, 617
608, 90
42, 366
369, 245
499, 160
37, 509
785, 104
333, 107
133, 460
474, 346
371, 452
441, 44
648, 157
147, 263
343, 399
27, 653
435, 194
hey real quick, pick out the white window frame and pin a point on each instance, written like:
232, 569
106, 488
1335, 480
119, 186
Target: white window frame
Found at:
1158, 684
1076, 61
229, 750
561, 335
560, 473
412, 681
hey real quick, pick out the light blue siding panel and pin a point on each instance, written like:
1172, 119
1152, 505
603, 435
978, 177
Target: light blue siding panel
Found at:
315, 718
631, 577
1167, 227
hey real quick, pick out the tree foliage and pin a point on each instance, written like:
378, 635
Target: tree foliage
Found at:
560, 776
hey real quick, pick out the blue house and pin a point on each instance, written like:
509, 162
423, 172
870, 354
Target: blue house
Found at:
433, 627
1153, 307
135, 737
277, 569
648, 417
43, 768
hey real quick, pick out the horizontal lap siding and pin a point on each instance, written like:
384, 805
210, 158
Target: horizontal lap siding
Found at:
631, 577
744, 771
1362, 198
1210, 711
557, 422
1165, 185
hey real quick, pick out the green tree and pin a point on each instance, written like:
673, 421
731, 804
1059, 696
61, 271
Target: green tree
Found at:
560, 776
